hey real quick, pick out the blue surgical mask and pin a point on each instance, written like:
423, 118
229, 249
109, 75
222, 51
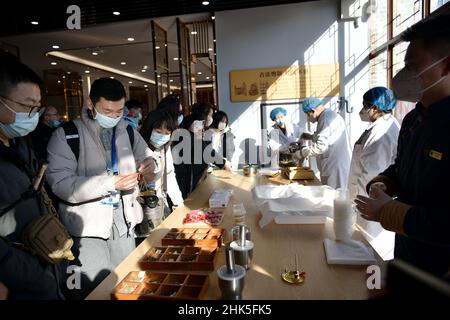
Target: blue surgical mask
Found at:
180, 119
158, 139
23, 124
55, 123
280, 123
105, 121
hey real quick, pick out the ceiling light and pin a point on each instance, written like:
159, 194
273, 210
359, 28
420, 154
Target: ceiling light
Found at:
34, 23
199, 73
165, 44
145, 86
146, 89
213, 17
145, 67
130, 39
157, 47
176, 59
205, 3
210, 49
159, 76
59, 81
193, 32
171, 80
53, 63
68, 72
123, 63
95, 53
116, 13
111, 77
130, 82
143, 70
55, 46
86, 71
207, 78
214, 40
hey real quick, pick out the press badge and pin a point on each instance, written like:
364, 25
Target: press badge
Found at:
435, 154
112, 199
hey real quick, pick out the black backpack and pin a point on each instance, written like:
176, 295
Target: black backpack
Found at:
73, 138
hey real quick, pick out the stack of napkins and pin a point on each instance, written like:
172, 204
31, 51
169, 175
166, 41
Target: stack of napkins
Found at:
348, 252
220, 198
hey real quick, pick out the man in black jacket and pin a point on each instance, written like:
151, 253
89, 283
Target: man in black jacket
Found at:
40, 137
21, 272
420, 176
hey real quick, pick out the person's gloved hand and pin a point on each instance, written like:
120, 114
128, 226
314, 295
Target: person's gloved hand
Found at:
370, 208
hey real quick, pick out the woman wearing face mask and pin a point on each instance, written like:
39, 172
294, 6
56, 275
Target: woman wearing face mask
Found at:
283, 132
220, 135
375, 150
156, 130
195, 125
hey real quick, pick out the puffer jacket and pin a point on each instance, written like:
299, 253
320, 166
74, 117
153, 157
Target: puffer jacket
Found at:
86, 179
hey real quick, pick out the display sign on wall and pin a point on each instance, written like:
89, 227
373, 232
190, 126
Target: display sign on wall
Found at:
295, 82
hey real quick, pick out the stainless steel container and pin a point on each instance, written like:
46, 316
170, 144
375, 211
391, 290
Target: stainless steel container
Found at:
231, 278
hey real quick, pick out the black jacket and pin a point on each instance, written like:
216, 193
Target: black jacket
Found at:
40, 138
24, 275
421, 173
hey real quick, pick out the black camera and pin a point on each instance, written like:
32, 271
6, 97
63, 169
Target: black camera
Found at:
149, 198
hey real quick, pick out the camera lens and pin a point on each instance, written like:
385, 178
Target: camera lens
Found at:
151, 201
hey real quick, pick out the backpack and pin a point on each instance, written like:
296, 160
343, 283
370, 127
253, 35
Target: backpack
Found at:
73, 138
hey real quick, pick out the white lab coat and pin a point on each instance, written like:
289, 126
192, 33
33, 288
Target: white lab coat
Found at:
279, 141
331, 148
374, 151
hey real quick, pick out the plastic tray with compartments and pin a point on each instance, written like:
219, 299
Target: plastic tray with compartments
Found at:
179, 258
147, 285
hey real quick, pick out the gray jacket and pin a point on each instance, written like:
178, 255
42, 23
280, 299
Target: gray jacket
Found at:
86, 179
24, 275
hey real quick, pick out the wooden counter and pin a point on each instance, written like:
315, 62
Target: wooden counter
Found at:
275, 249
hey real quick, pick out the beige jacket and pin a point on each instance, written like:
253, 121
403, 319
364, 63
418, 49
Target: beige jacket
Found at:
78, 181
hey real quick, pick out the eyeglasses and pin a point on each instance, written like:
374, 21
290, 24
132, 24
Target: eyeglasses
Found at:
33, 109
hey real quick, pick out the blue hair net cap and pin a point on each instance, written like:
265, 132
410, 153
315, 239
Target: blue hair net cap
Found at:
310, 104
382, 97
277, 111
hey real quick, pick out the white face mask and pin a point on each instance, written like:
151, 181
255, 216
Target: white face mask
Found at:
23, 124
364, 115
105, 121
222, 126
408, 86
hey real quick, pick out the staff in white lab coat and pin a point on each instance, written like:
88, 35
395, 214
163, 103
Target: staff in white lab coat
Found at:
283, 133
330, 144
374, 151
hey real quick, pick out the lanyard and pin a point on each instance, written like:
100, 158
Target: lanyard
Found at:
113, 155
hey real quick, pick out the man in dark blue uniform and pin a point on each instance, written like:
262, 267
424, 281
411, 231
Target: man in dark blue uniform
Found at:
420, 176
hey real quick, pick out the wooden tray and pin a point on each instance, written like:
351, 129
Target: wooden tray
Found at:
298, 173
179, 258
146, 285
196, 237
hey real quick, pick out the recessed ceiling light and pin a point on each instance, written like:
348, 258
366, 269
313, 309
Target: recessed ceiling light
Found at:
176, 59
130, 39
145, 67
199, 72
63, 77
171, 80
157, 47
159, 76
53, 63
130, 82
143, 70
123, 63
34, 23
205, 3
207, 78
213, 17
95, 53
68, 72
55, 46
214, 40
210, 49
193, 32
59, 81
145, 86
116, 13
165, 44
86, 71
111, 77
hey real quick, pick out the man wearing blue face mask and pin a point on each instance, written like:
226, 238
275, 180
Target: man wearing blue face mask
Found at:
98, 185
418, 179
25, 276
49, 121
133, 113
